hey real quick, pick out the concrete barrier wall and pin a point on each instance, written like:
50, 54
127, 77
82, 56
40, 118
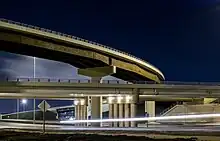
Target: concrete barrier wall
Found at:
194, 110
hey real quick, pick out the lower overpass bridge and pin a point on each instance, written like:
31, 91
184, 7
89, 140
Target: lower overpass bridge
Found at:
122, 97
72, 88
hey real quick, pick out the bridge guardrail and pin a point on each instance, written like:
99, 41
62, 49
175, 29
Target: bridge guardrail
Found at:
167, 109
73, 37
55, 80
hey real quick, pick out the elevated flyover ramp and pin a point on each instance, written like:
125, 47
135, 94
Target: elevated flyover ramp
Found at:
35, 41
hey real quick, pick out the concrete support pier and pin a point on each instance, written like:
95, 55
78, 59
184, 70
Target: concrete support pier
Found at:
96, 110
83, 113
133, 107
110, 115
133, 114
123, 107
150, 108
115, 114
80, 110
77, 113
126, 114
96, 75
121, 112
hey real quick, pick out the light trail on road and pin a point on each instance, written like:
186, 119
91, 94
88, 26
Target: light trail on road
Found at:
202, 116
171, 128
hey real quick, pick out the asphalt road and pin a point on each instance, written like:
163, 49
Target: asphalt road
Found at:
159, 128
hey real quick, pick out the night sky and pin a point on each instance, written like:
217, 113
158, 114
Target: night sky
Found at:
180, 37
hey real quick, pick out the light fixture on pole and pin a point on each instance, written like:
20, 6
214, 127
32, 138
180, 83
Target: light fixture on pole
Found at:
34, 75
24, 101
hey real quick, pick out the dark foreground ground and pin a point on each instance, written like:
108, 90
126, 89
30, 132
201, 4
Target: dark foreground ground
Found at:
21, 136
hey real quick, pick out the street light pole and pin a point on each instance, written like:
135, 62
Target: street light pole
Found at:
18, 108
24, 102
34, 66
34, 98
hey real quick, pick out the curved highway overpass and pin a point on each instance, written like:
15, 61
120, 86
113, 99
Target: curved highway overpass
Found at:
35, 41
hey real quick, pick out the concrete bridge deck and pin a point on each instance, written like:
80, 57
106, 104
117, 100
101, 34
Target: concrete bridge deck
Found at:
39, 42
45, 88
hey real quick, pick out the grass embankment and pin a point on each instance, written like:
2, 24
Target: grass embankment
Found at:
22, 136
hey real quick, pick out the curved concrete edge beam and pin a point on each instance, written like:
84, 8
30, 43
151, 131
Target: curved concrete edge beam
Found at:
87, 44
97, 71
136, 69
80, 52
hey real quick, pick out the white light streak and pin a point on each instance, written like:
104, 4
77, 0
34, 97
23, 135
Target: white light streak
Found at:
145, 118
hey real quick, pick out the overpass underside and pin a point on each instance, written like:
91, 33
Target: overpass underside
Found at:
78, 56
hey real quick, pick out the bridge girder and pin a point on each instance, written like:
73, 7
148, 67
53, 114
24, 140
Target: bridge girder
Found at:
73, 54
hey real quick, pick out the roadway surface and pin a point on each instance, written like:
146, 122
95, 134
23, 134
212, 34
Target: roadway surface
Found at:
158, 128
169, 132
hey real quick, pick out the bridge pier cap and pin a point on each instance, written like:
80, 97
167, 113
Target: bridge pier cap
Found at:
97, 72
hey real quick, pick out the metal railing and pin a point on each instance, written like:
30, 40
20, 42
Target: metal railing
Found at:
55, 80
168, 109
72, 37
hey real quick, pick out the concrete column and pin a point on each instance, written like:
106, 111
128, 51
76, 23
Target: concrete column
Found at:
115, 110
96, 74
150, 108
81, 108
96, 110
133, 114
133, 107
110, 114
96, 104
126, 114
121, 112
77, 113
85, 114
81, 112
88, 107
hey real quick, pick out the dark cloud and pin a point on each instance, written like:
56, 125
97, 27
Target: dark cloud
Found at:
17, 66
